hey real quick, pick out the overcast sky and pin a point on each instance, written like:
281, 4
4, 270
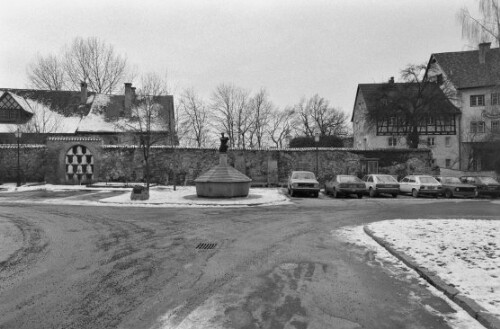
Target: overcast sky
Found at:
293, 48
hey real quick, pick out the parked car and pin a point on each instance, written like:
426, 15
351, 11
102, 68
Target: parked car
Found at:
418, 185
341, 185
377, 184
453, 187
303, 182
485, 185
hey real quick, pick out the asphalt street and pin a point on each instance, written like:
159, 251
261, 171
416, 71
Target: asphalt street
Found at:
270, 267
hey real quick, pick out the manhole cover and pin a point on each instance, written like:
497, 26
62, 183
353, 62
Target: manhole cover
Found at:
206, 246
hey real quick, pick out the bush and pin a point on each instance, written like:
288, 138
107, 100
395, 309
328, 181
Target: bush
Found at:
324, 141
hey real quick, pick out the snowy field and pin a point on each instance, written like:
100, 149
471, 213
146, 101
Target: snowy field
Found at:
464, 253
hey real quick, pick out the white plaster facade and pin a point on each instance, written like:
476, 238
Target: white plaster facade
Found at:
480, 119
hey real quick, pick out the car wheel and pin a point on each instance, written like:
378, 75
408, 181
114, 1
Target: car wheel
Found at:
360, 195
448, 194
414, 193
372, 193
394, 195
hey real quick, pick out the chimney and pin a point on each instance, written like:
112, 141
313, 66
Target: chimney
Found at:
83, 93
129, 91
483, 50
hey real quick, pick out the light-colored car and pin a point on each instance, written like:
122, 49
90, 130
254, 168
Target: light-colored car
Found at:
341, 185
418, 185
303, 182
377, 184
453, 187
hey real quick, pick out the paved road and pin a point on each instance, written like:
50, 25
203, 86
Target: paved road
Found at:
272, 267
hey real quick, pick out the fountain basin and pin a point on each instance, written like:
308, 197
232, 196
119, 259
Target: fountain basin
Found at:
222, 181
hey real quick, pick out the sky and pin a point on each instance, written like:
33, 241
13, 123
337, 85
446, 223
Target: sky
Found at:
292, 48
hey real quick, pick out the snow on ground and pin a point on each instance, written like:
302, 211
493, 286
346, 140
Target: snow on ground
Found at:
356, 235
462, 252
186, 196
159, 196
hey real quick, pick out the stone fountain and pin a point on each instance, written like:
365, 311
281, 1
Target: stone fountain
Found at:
222, 181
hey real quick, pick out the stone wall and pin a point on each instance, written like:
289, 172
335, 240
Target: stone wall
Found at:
32, 163
183, 165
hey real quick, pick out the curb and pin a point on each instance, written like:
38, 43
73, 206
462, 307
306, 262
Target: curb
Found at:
467, 304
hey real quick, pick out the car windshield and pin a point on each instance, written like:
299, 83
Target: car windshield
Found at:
349, 179
450, 180
488, 180
303, 175
386, 179
428, 180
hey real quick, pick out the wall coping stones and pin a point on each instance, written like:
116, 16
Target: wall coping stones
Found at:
74, 139
295, 149
466, 303
23, 146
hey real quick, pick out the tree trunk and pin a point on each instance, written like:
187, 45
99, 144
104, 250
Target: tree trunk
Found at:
413, 138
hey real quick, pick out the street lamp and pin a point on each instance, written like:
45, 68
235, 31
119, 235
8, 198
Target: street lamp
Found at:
18, 135
316, 140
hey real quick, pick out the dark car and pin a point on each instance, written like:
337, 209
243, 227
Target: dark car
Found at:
303, 182
453, 187
344, 185
485, 185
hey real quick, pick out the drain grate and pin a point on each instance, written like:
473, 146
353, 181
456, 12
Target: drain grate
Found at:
206, 246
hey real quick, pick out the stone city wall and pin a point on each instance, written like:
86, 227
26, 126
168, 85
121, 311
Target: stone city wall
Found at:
183, 165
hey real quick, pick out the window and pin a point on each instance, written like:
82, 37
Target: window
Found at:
477, 127
392, 141
447, 141
431, 141
447, 163
477, 100
495, 126
495, 97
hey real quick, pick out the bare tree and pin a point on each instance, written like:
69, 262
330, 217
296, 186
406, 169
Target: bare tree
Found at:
231, 112
195, 117
149, 121
483, 28
91, 60
411, 107
96, 62
47, 73
280, 125
260, 108
316, 115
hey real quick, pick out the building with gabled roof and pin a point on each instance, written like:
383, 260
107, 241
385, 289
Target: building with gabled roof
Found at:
438, 129
43, 113
474, 77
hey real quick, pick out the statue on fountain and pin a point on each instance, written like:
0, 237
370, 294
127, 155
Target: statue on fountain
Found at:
223, 144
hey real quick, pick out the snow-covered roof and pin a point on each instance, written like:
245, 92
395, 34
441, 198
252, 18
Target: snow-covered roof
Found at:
63, 112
